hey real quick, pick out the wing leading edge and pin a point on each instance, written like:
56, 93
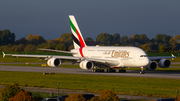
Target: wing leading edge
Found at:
156, 58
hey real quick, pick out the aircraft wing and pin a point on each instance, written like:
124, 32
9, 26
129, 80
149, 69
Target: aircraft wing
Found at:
70, 58
43, 56
161, 57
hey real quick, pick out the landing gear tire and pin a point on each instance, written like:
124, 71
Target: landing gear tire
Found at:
122, 71
101, 70
142, 72
104, 70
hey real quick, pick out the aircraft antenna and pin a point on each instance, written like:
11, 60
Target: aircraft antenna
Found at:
173, 34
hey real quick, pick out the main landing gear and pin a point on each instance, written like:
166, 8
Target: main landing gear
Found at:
142, 70
110, 70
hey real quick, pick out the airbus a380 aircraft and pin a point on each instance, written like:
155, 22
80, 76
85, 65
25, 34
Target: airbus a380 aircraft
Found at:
102, 58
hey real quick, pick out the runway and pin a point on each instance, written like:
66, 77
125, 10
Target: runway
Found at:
130, 73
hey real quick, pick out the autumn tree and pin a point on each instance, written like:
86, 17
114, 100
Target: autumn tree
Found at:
67, 39
116, 39
173, 43
104, 38
21, 41
58, 40
159, 38
108, 95
131, 40
18, 48
124, 40
70, 47
89, 41
177, 38
9, 91
75, 97
30, 48
178, 99
29, 37
166, 39
21, 96
95, 98
60, 47
161, 48
146, 47
143, 39
35, 39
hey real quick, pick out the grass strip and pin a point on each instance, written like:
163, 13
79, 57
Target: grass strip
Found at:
156, 87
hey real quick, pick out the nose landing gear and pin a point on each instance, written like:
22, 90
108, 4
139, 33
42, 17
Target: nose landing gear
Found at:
142, 70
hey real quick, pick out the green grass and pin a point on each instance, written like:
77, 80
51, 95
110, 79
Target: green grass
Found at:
157, 87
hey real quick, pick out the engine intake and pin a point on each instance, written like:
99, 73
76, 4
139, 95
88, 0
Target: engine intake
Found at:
54, 62
86, 64
164, 63
151, 66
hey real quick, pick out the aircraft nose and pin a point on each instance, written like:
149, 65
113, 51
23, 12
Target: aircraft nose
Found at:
145, 61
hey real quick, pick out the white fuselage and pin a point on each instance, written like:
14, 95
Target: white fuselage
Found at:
125, 56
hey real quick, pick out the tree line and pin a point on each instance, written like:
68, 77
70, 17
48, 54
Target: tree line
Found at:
161, 43
16, 93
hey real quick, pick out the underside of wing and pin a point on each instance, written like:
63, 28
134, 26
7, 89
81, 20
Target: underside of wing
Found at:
51, 50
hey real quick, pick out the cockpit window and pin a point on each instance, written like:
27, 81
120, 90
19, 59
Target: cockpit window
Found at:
143, 56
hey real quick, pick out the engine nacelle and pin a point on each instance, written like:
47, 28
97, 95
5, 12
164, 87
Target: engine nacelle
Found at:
86, 64
151, 66
54, 62
164, 63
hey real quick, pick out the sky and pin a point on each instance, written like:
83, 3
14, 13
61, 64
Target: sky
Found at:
49, 18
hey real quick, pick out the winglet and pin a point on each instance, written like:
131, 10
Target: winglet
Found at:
4, 54
173, 56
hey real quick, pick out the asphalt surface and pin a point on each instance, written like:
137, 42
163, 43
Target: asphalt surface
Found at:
133, 73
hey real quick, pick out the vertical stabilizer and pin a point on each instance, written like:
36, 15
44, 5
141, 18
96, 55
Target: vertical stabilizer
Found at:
78, 40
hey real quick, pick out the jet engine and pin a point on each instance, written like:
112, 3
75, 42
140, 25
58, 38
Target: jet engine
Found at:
86, 64
151, 66
164, 63
54, 62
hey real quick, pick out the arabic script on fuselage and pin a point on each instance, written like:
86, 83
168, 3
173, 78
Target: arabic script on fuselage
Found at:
123, 54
